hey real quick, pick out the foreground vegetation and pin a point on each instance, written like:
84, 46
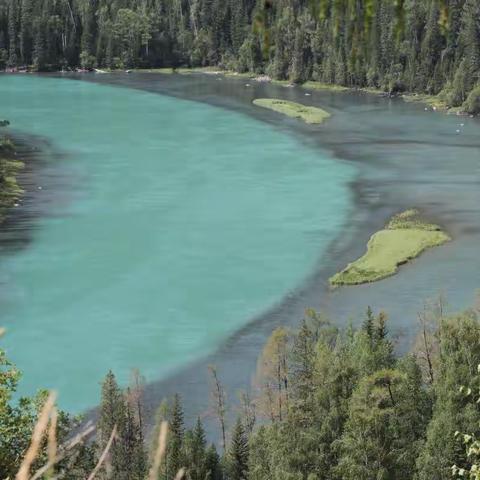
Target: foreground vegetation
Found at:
311, 115
326, 404
404, 238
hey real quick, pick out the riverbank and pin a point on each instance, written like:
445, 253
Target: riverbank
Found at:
10, 167
404, 238
435, 102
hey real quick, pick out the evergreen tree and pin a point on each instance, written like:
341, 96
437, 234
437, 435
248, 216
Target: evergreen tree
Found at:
195, 453
133, 458
238, 453
302, 367
212, 464
369, 324
175, 459
12, 33
112, 414
26, 26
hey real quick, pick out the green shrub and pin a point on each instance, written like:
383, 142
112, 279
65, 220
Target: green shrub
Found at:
472, 103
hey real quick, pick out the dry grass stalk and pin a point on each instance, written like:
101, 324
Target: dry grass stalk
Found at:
104, 454
89, 429
52, 445
64, 451
180, 474
37, 436
160, 453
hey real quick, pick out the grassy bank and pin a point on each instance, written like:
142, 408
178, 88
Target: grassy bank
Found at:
180, 70
312, 85
10, 191
311, 115
405, 237
432, 101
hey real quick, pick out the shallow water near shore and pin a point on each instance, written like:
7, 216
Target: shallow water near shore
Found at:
183, 221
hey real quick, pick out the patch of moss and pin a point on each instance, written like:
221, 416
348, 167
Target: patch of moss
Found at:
472, 103
312, 85
310, 115
411, 219
404, 238
231, 73
433, 101
180, 70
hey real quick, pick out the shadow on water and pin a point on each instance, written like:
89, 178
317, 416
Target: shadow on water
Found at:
40, 179
406, 157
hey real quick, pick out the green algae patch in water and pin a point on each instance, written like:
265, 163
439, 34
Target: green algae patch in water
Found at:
405, 237
311, 115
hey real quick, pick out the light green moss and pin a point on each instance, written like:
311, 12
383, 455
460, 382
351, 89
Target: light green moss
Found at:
181, 70
231, 73
436, 102
311, 85
311, 115
411, 219
405, 237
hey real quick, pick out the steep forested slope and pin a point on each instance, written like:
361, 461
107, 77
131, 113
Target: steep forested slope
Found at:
416, 45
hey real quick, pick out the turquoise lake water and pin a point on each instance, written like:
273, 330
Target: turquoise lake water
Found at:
185, 221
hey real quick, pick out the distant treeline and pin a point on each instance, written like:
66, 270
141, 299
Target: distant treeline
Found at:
326, 404
426, 46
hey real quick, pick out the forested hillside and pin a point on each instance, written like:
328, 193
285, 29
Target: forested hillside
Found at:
416, 45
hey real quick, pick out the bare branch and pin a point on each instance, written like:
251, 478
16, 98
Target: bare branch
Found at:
180, 474
160, 453
64, 451
37, 436
104, 454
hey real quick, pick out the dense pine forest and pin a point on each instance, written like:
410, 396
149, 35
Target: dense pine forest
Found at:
428, 46
327, 403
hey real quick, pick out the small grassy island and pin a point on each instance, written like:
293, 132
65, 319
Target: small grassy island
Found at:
310, 115
405, 237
